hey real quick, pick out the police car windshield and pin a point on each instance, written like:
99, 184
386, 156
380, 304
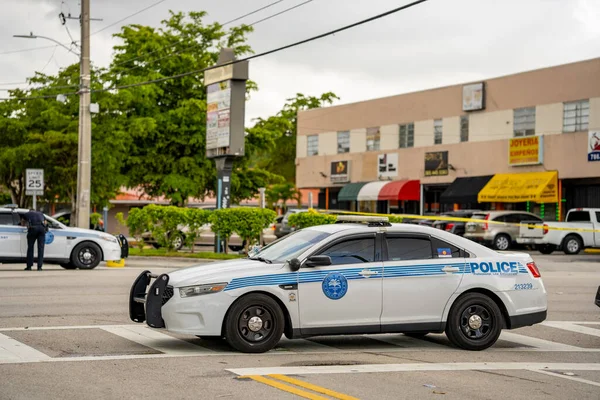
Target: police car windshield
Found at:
291, 245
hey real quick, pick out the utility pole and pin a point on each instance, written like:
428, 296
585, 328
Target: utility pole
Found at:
84, 155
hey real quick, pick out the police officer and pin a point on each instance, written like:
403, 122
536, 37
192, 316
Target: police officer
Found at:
36, 231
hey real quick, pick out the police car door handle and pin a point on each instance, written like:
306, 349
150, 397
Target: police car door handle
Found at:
448, 268
368, 272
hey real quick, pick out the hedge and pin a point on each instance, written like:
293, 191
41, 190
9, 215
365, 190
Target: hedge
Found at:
164, 223
312, 218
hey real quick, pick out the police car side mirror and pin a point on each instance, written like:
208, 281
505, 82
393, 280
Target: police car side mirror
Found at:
294, 264
318, 261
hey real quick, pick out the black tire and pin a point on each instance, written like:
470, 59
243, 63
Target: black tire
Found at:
546, 248
235, 248
266, 332
86, 255
178, 240
466, 313
156, 245
68, 266
572, 244
502, 242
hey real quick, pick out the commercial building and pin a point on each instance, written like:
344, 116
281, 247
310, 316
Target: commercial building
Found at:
524, 141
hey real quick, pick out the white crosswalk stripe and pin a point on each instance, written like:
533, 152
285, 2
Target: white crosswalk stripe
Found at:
13, 351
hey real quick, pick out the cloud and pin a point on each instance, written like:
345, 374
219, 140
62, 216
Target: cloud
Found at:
436, 43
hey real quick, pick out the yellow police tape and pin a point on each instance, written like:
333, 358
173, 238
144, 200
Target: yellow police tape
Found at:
461, 219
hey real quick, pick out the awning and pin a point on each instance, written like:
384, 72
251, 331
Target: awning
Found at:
465, 190
350, 191
401, 190
370, 191
539, 187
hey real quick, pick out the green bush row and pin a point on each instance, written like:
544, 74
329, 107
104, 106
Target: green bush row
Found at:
312, 218
163, 222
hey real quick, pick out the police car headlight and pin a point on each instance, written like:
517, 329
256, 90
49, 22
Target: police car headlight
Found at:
109, 238
198, 290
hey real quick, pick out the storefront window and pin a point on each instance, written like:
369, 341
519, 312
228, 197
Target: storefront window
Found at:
524, 121
343, 142
312, 145
373, 138
437, 131
576, 116
407, 135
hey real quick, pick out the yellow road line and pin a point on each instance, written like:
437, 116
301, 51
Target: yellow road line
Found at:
285, 388
312, 387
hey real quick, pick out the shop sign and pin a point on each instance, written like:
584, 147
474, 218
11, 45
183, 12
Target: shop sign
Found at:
387, 165
340, 171
436, 163
526, 151
594, 146
473, 97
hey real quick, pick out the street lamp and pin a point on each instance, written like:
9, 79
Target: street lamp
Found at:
32, 36
84, 153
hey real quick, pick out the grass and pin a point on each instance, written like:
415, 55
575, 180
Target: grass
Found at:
162, 252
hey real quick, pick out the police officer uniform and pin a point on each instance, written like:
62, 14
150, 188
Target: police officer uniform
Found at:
36, 232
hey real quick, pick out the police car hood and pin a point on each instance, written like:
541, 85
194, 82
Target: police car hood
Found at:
219, 272
80, 232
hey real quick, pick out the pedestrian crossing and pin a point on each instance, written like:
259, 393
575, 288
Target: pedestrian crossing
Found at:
161, 344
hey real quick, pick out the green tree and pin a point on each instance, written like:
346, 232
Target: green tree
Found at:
282, 192
167, 120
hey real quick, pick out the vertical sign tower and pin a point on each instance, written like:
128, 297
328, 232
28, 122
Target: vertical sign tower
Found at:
225, 114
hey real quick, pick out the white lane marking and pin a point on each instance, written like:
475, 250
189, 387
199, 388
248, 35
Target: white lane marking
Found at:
567, 326
156, 340
304, 346
571, 378
12, 350
67, 327
537, 343
368, 368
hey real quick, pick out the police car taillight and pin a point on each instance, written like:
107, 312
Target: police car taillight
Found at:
545, 229
534, 270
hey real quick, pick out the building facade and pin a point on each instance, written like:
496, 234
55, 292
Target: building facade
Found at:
527, 141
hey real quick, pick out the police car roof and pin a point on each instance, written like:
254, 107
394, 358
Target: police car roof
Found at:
11, 209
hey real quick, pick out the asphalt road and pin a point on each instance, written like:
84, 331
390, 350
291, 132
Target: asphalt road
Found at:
67, 334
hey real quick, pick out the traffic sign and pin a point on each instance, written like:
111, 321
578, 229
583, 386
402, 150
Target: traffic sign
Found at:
34, 182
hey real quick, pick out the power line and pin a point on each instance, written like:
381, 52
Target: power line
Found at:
129, 16
25, 50
181, 41
265, 53
197, 45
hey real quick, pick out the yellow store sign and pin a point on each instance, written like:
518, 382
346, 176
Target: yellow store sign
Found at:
539, 187
526, 150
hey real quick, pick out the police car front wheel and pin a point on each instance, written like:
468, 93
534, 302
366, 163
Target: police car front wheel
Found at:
474, 322
254, 324
86, 255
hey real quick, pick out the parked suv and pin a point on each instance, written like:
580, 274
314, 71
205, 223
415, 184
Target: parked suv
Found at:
456, 227
501, 236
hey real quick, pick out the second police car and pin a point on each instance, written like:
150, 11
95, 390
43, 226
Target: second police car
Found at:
358, 276
68, 246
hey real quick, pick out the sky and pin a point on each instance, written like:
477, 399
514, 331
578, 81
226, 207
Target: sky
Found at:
436, 43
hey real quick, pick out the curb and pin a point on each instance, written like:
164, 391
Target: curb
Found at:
592, 251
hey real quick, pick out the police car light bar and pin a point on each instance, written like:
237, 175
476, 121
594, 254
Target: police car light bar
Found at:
10, 206
372, 221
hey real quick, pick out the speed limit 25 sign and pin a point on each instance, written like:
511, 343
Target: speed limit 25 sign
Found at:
34, 182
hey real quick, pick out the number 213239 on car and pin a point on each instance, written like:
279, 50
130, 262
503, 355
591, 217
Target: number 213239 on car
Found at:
358, 276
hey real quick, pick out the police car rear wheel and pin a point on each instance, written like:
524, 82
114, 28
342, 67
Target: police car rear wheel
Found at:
474, 322
254, 324
86, 255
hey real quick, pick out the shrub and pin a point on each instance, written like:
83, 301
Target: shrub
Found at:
310, 218
196, 218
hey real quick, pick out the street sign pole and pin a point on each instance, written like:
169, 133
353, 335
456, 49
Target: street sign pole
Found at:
225, 104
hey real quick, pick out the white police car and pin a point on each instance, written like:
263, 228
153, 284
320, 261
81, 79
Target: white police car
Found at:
70, 247
349, 278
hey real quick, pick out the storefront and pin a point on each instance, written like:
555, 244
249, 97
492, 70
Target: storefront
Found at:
536, 192
462, 193
381, 196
